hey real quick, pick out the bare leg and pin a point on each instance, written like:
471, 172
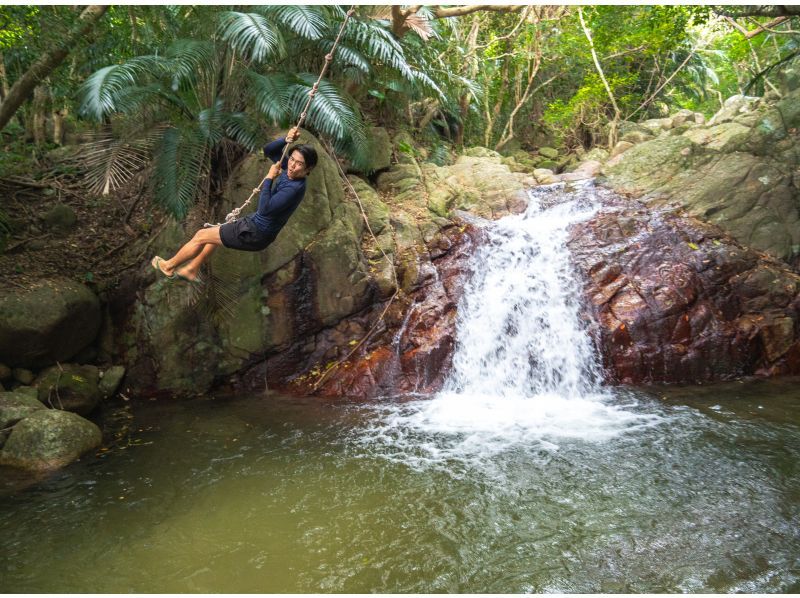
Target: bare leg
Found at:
191, 270
203, 238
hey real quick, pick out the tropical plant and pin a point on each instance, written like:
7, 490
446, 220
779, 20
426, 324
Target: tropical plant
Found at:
211, 95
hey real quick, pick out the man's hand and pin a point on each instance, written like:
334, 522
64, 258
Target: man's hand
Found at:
274, 171
292, 135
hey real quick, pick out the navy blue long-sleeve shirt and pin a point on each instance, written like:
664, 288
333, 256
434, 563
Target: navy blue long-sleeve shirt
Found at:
275, 205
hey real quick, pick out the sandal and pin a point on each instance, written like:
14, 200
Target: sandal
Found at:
156, 263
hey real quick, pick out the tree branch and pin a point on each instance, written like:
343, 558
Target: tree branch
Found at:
45, 64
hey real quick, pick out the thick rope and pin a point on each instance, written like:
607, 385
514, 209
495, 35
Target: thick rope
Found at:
234, 214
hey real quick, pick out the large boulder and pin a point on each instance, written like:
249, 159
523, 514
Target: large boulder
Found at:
738, 171
51, 321
70, 387
676, 300
48, 439
15, 406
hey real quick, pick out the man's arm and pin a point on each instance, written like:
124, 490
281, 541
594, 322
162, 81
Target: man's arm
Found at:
274, 149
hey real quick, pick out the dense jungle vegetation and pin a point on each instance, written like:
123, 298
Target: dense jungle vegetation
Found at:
171, 97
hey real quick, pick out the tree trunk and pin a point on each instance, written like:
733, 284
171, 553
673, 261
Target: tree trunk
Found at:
59, 116
44, 65
472, 41
40, 96
3, 78
612, 126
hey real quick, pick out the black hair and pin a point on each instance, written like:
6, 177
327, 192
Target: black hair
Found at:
309, 154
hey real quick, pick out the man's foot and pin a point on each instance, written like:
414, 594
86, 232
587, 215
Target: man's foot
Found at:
157, 264
188, 276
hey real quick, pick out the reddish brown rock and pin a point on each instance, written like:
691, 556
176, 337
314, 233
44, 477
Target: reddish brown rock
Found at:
410, 349
676, 300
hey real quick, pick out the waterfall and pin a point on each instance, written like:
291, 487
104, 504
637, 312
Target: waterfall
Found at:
519, 332
524, 369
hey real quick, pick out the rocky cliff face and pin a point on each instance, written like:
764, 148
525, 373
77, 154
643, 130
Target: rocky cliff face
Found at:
304, 302
672, 299
739, 170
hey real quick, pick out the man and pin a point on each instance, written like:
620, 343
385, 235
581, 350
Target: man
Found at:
255, 231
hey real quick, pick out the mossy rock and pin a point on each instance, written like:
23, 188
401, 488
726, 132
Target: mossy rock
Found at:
15, 406
49, 439
548, 152
47, 323
70, 387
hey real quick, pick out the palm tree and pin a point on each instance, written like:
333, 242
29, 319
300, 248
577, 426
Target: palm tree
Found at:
194, 109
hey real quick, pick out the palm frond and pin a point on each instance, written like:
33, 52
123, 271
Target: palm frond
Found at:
271, 94
345, 56
243, 130
308, 22
181, 165
190, 59
211, 123
100, 90
378, 44
252, 35
112, 163
330, 113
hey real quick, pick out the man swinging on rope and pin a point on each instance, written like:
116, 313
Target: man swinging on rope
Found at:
257, 230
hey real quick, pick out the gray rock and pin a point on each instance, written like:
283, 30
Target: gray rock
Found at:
657, 125
48, 439
482, 152
15, 406
70, 387
23, 376
733, 107
548, 152
380, 149
621, 147
110, 380
52, 321
636, 136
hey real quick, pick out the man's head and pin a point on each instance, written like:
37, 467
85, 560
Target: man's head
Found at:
302, 159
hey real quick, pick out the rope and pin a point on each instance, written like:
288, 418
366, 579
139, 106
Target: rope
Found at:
234, 214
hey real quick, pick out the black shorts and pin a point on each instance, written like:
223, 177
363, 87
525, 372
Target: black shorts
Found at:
244, 235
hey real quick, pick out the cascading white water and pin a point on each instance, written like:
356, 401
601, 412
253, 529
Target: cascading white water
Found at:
519, 334
524, 369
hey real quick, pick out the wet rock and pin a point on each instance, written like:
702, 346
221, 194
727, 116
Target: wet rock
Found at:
51, 321
411, 347
676, 300
48, 439
110, 381
70, 387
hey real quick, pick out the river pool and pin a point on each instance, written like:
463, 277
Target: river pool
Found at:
670, 490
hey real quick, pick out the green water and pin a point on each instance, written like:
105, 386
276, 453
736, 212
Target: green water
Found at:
254, 494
